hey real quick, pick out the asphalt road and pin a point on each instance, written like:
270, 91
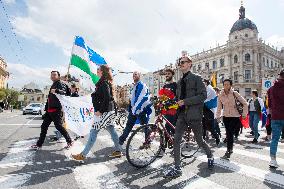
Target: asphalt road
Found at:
51, 166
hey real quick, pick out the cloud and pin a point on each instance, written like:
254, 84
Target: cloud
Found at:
9, 1
276, 41
21, 74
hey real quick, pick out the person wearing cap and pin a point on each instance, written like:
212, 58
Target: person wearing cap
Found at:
191, 94
276, 107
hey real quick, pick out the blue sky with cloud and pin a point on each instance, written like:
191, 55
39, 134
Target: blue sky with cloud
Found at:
130, 34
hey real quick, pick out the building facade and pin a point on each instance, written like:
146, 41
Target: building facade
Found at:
122, 95
245, 58
32, 94
3, 73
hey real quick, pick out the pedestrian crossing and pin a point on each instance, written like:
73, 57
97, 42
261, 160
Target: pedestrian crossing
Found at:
249, 161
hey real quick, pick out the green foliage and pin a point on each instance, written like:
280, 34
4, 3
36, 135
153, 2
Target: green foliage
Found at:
9, 96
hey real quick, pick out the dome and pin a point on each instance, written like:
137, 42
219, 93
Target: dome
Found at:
243, 22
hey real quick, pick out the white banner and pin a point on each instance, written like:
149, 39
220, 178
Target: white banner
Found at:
79, 113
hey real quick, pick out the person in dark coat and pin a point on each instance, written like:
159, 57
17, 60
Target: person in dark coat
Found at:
54, 112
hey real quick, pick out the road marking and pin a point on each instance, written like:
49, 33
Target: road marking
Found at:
106, 139
85, 175
192, 181
21, 152
104, 178
249, 171
254, 155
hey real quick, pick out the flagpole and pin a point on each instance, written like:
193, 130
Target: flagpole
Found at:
68, 70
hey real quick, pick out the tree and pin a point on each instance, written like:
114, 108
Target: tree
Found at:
9, 97
2, 95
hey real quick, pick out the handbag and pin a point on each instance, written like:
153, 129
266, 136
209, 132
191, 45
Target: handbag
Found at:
239, 105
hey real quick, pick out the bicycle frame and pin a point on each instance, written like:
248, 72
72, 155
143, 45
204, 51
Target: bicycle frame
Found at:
159, 122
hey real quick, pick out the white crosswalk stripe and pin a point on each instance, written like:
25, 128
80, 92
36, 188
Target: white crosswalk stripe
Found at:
107, 177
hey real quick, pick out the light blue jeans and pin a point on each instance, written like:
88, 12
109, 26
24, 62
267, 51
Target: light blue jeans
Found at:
254, 118
93, 137
276, 126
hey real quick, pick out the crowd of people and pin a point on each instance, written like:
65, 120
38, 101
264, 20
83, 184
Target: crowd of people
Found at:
201, 108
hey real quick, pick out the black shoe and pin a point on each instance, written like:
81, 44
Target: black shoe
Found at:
254, 141
227, 155
210, 163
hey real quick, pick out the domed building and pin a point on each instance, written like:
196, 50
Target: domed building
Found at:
245, 58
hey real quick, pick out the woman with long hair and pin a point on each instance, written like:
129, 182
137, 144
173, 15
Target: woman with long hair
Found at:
104, 106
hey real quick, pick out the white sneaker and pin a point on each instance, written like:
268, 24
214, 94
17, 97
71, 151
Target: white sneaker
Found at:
273, 164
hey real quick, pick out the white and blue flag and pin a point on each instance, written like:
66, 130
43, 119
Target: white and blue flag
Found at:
140, 98
211, 100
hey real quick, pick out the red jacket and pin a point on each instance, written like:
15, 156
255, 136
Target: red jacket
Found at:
276, 100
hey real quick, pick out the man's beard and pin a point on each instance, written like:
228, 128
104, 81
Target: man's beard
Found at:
169, 79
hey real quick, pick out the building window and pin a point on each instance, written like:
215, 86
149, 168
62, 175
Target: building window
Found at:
235, 59
246, 35
194, 68
247, 74
222, 77
263, 60
247, 57
199, 67
271, 64
38, 99
236, 75
247, 91
222, 62
236, 37
214, 64
207, 65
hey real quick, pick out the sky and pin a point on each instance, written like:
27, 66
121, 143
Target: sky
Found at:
37, 35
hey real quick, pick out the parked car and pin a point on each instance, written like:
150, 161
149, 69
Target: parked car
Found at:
33, 108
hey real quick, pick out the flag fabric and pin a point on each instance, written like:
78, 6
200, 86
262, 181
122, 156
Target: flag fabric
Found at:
211, 100
84, 62
78, 113
140, 98
214, 80
245, 122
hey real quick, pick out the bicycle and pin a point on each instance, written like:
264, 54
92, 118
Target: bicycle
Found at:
154, 141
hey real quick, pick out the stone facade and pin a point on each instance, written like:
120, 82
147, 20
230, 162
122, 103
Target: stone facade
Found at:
32, 94
3, 73
245, 58
122, 95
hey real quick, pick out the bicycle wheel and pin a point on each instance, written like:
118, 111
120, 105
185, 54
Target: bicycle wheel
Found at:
141, 151
188, 146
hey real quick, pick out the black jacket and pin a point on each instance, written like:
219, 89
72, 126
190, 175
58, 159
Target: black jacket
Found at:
102, 98
52, 101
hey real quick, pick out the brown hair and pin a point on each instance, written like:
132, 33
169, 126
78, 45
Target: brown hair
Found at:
107, 76
170, 70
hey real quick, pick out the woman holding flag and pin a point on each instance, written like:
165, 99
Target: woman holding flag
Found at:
104, 106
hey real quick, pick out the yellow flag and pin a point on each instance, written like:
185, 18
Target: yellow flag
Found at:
214, 80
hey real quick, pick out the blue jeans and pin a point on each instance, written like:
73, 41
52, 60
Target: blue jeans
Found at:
131, 122
254, 119
93, 137
277, 126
